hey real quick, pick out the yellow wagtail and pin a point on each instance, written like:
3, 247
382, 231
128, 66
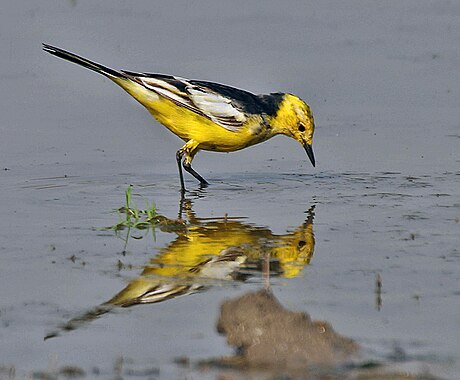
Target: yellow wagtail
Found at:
207, 115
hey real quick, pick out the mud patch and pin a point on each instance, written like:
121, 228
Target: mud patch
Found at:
267, 335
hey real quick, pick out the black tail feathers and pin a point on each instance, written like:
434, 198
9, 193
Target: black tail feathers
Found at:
107, 71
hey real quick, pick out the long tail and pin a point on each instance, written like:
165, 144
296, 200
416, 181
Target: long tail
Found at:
107, 71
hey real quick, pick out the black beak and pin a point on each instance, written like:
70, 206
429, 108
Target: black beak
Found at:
310, 154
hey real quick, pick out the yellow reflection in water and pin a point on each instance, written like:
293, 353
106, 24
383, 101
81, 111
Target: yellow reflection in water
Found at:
218, 248
206, 251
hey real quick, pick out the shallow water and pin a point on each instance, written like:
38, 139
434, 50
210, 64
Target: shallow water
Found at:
384, 200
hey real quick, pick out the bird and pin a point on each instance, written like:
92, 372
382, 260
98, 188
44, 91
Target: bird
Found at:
207, 115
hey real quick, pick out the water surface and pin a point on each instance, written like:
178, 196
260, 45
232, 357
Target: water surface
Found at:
381, 207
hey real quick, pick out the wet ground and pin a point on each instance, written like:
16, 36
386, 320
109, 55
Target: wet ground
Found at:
363, 249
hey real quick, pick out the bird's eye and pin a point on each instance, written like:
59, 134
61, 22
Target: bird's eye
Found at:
301, 128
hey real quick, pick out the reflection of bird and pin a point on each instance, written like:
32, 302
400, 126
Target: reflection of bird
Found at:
210, 116
222, 249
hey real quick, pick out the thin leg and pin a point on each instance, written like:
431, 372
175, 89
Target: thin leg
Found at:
185, 156
188, 167
179, 155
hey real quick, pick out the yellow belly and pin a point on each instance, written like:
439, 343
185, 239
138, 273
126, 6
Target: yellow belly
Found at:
190, 126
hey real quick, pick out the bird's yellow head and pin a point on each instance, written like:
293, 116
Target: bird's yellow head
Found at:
295, 119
